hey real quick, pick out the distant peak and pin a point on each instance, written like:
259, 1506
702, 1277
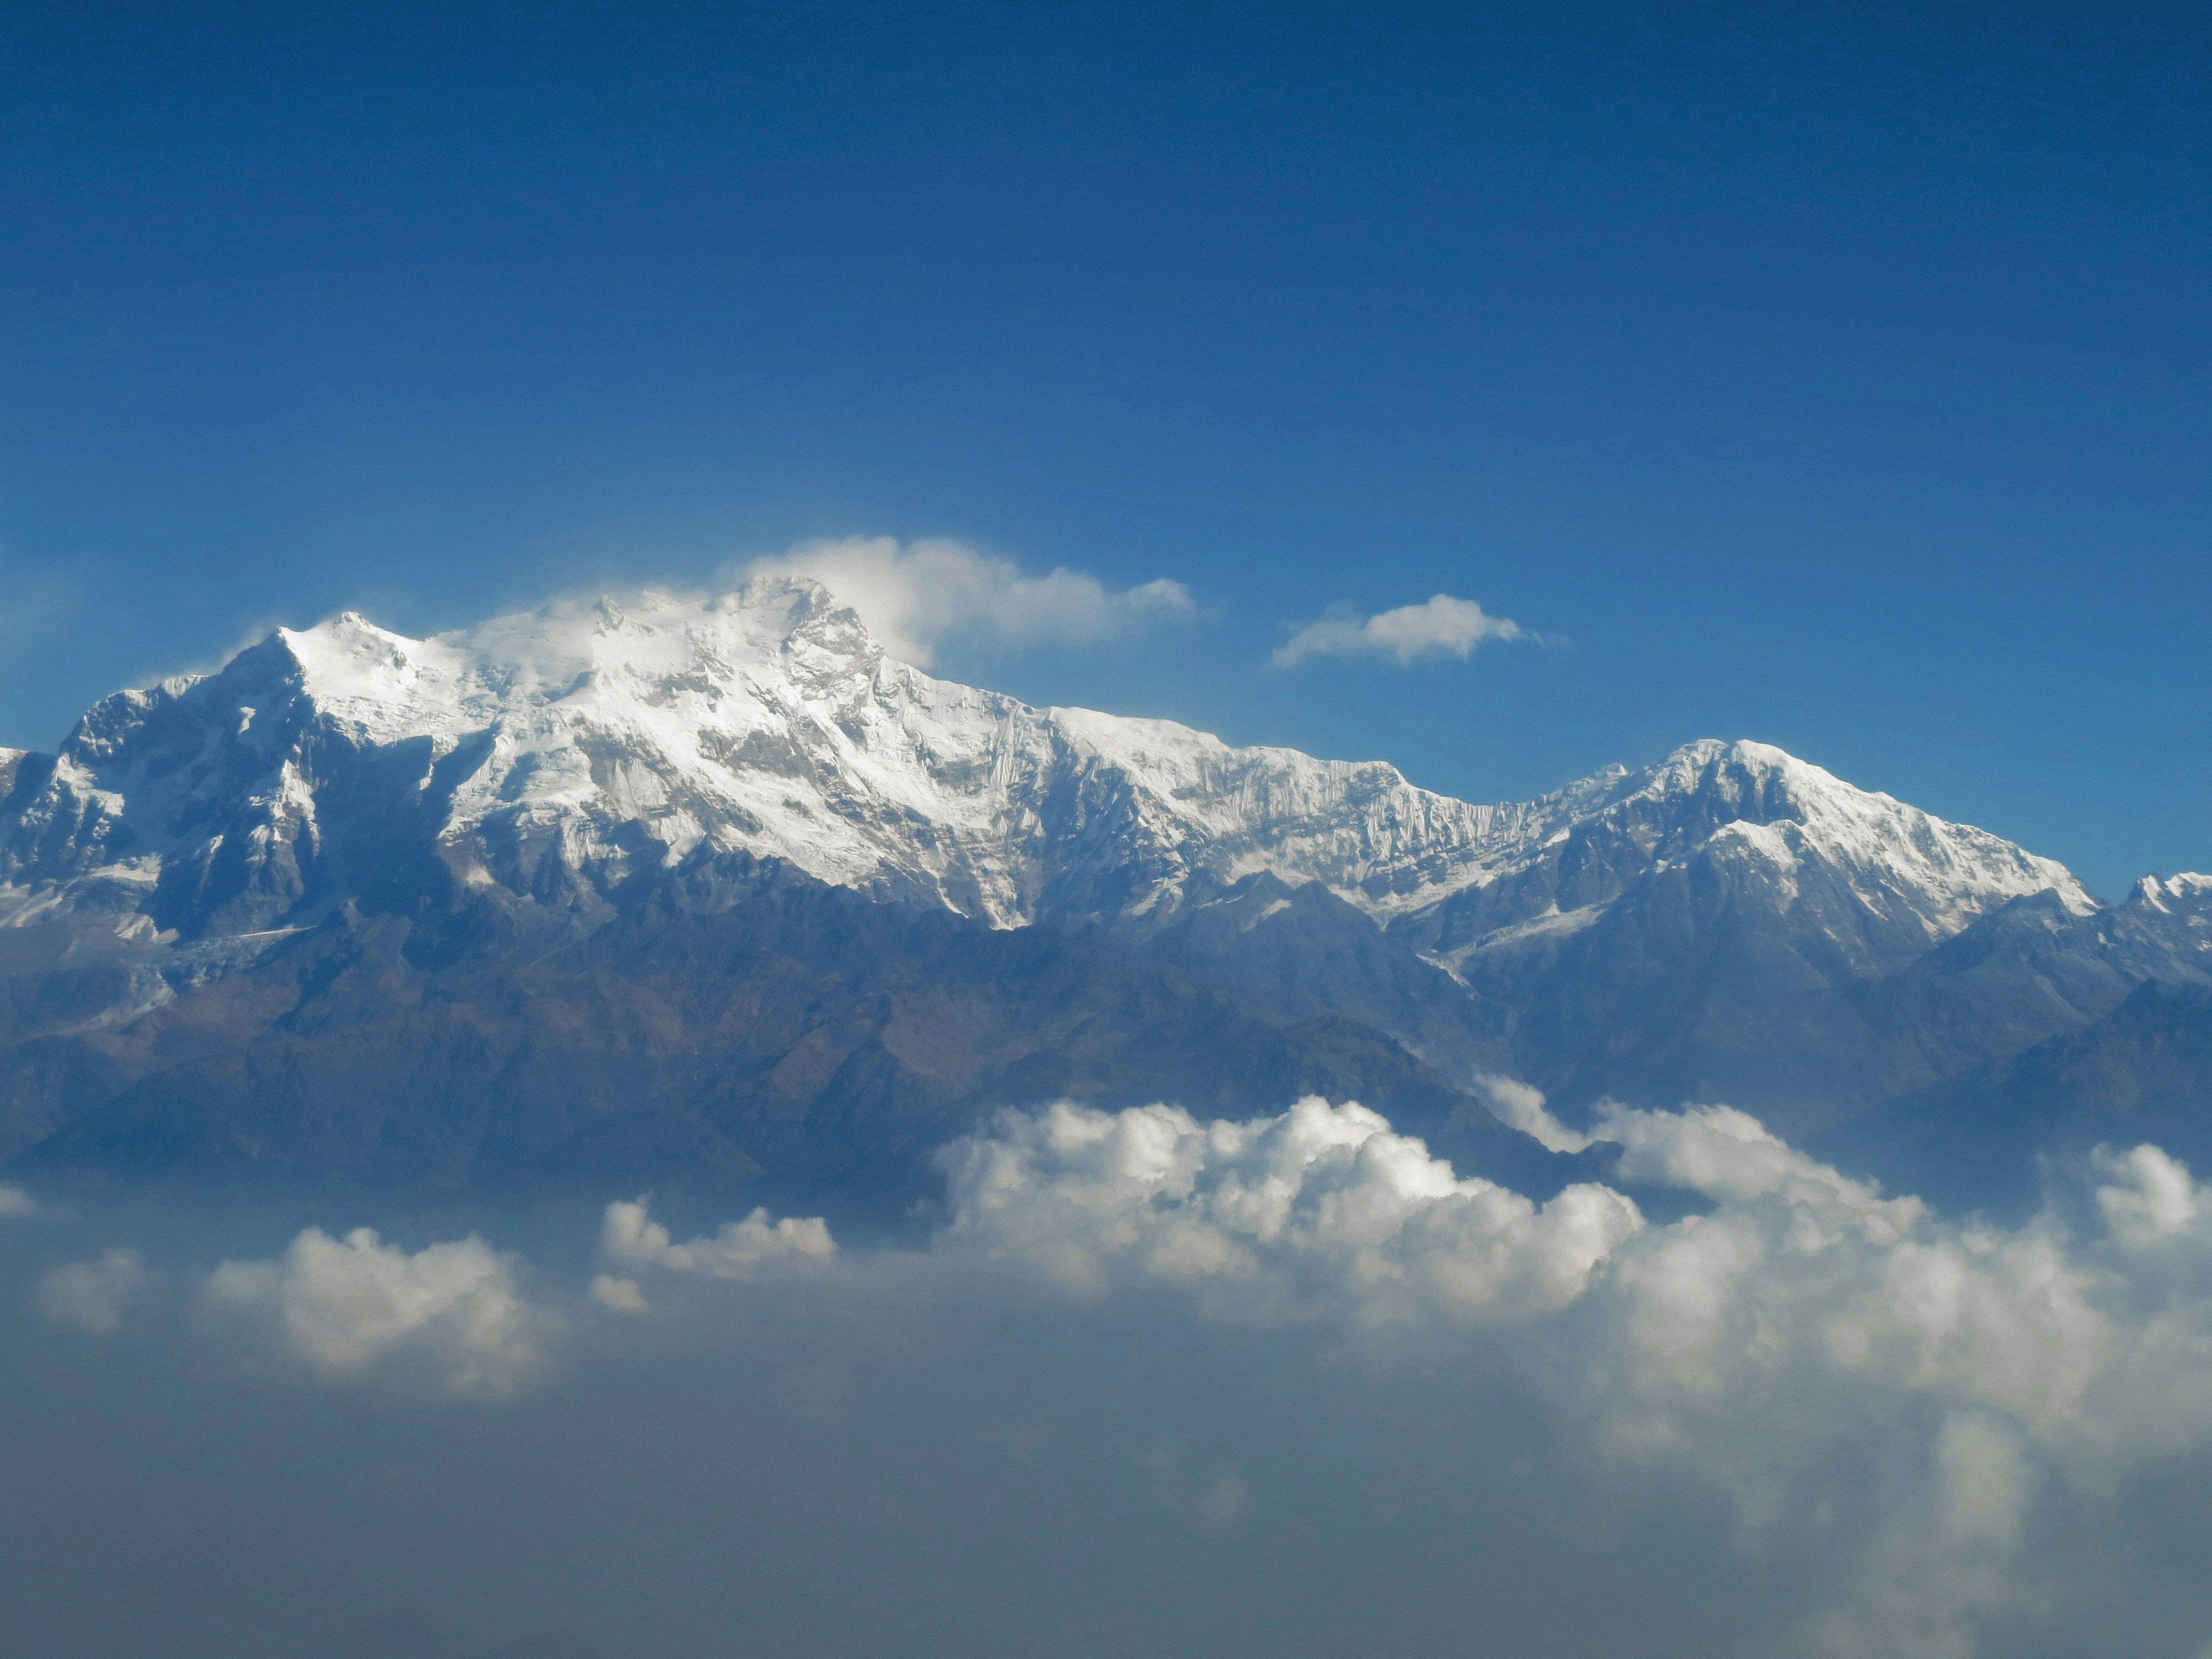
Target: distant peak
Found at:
2160, 893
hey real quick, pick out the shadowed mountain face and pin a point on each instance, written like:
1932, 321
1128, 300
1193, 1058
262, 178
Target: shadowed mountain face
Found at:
724, 1023
714, 890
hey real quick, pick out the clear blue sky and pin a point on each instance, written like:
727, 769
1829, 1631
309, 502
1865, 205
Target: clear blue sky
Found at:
1832, 376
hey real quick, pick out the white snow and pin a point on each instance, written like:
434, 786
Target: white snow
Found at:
2162, 894
768, 720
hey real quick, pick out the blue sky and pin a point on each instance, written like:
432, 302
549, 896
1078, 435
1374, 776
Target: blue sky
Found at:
1838, 379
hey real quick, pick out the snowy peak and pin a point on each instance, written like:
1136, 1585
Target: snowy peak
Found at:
1718, 833
1962, 870
552, 750
2187, 894
659, 650
554, 753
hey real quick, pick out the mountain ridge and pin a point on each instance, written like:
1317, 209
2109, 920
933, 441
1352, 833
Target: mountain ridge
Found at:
184, 884
769, 721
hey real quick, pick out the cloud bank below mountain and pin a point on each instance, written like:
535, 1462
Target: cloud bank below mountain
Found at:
1917, 1435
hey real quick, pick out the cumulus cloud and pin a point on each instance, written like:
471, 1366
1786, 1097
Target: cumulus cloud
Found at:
1802, 1324
90, 1296
1442, 626
1322, 1211
453, 1313
16, 1205
630, 1238
912, 596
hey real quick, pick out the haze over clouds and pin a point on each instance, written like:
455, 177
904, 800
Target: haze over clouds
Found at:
914, 595
91, 1295
1440, 627
1906, 1421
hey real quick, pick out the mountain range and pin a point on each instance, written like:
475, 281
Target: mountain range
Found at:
713, 891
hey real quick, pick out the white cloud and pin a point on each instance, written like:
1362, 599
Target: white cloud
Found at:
1442, 627
630, 1237
1803, 1325
1911, 1401
2148, 1198
91, 1295
16, 1205
1946, 1557
914, 596
1322, 1211
1520, 1106
347, 1307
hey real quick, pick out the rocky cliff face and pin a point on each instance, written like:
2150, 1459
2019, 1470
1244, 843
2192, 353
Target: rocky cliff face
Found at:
717, 882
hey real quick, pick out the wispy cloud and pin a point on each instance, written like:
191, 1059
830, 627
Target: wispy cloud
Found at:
914, 596
1441, 627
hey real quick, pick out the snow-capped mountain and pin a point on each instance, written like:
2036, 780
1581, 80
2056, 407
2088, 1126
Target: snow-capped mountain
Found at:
566, 745
559, 749
715, 883
1875, 881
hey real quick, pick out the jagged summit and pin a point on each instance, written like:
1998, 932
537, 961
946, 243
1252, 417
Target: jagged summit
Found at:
2186, 891
553, 751
1960, 870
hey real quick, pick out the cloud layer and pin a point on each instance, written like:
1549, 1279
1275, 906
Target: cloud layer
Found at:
1914, 1410
914, 596
1801, 1326
1442, 626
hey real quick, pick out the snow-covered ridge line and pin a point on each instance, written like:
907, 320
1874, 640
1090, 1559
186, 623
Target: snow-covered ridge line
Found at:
552, 751
2164, 893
